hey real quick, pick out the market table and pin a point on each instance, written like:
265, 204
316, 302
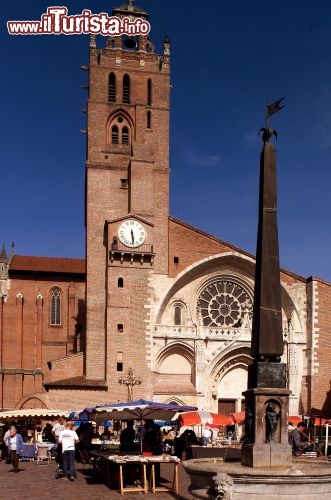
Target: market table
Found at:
164, 460
112, 469
28, 451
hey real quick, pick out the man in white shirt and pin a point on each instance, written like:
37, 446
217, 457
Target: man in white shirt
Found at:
57, 428
67, 439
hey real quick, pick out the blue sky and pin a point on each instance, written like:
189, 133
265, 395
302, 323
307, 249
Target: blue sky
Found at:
226, 57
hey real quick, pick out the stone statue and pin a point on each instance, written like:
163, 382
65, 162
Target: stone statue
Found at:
248, 436
223, 486
271, 420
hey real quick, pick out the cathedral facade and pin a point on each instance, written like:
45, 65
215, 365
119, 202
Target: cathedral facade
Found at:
155, 296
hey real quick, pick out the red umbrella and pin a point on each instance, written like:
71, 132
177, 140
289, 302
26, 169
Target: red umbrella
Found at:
294, 419
204, 417
238, 417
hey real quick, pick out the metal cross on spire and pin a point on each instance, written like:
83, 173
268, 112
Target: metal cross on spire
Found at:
130, 381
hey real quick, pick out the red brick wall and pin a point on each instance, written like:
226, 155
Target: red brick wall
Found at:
129, 308
144, 162
321, 395
28, 340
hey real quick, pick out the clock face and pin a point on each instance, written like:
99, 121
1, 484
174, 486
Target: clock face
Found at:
131, 233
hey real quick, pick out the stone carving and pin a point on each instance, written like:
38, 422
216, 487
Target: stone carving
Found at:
248, 422
223, 487
271, 420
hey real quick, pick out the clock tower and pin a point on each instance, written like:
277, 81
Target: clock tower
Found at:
127, 201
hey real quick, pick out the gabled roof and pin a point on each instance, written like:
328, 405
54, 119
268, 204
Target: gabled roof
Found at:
47, 265
229, 245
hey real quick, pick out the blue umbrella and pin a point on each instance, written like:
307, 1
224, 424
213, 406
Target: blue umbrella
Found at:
106, 423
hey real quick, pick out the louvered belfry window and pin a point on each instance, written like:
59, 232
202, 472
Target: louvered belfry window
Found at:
112, 88
126, 89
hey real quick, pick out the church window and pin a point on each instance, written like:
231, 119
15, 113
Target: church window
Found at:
124, 183
55, 312
178, 315
176, 260
120, 283
149, 92
120, 327
112, 88
125, 135
224, 303
149, 119
126, 89
119, 364
114, 134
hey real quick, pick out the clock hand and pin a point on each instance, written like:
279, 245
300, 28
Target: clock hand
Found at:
132, 236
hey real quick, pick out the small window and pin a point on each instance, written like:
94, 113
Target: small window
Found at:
114, 134
112, 88
125, 135
120, 327
176, 260
149, 92
119, 367
178, 315
55, 312
120, 283
124, 183
149, 119
126, 89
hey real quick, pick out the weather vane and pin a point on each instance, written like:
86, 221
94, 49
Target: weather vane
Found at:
272, 108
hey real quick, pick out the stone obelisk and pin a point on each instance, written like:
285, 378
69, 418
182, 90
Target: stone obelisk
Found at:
267, 396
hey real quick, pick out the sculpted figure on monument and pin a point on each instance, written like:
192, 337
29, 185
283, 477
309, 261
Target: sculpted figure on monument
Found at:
248, 422
271, 420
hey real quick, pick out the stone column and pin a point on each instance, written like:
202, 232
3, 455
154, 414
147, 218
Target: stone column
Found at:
267, 397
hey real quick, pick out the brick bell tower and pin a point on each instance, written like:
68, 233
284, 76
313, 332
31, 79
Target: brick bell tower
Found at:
127, 202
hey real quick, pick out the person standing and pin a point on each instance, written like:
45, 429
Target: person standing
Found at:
206, 436
15, 447
57, 428
68, 438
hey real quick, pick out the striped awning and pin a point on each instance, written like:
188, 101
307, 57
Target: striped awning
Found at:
33, 413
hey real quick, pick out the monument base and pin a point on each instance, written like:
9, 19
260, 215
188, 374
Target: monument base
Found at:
267, 455
266, 447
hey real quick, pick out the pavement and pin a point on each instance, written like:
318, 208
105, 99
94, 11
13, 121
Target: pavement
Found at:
38, 481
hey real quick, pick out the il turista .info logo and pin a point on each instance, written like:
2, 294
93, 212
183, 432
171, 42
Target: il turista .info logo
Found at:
56, 22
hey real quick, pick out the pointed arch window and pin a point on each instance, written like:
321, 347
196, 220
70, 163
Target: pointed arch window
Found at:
112, 88
114, 134
55, 311
178, 315
149, 92
126, 89
125, 135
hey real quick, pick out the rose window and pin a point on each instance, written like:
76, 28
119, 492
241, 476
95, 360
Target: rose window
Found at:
224, 303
